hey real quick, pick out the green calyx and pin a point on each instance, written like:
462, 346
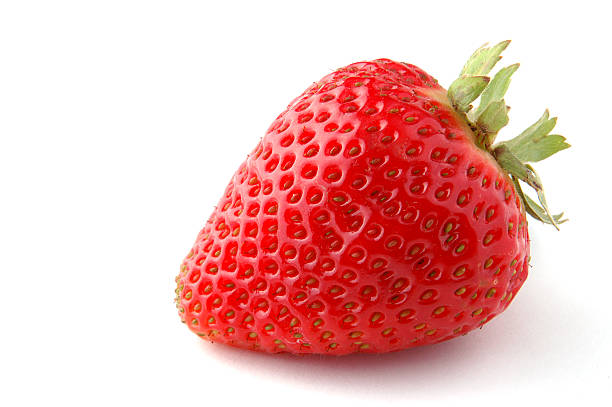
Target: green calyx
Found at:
532, 145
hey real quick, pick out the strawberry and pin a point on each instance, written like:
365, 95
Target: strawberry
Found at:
376, 214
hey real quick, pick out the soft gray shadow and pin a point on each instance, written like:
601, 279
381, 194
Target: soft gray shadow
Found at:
397, 372
518, 346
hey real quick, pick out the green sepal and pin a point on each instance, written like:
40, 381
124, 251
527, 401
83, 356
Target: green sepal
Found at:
496, 90
492, 120
542, 198
535, 210
483, 60
535, 143
465, 89
509, 162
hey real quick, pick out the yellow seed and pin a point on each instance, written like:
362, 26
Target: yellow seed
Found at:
405, 313
392, 243
427, 295
460, 271
348, 319
460, 291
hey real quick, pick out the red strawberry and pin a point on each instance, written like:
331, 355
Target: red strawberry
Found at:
375, 215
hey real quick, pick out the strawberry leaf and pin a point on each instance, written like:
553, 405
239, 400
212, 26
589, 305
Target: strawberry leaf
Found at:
535, 210
496, 90
516, 167
542, 198
483, 59
535, 143
491, 121
465, 90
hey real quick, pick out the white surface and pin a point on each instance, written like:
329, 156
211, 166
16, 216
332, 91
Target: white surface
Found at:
120, 124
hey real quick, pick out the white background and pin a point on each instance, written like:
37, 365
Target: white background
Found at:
122, 121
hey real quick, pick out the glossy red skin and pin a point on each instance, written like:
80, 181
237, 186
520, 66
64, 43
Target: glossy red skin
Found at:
347, 228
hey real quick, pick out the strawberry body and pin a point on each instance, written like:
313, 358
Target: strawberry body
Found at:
366, 219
